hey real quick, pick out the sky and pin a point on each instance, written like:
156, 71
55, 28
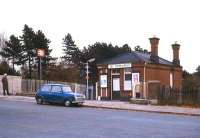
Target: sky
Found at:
118, 22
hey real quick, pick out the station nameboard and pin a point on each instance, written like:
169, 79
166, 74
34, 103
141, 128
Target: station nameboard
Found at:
117, 66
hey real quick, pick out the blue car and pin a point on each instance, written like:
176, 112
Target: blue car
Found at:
58, 93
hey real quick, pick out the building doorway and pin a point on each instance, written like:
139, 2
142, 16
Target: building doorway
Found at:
116, 87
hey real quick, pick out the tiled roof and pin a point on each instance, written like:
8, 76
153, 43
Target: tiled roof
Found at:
134, 57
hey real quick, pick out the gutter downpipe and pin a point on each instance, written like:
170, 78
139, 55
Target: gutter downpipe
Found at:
144, 83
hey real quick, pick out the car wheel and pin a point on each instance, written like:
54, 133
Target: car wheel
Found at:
67, 103
39, 100
51, 103
80, 104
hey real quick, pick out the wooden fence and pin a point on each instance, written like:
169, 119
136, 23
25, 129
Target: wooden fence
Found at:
31, 85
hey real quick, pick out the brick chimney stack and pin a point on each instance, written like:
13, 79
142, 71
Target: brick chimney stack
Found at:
154, 49
176, 48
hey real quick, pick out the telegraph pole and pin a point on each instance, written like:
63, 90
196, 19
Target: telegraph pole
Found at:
87, 77
40, 68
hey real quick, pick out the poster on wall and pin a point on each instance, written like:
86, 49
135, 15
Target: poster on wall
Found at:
103, 81
135, 78
127, 85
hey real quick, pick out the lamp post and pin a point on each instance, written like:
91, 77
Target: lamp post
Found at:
87, 73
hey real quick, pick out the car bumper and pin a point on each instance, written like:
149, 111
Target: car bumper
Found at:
79, 100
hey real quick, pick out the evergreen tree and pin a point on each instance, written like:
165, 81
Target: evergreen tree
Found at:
101, 51
126, 48
4, 68
71, 51
41, 42
140, 49
31, 42
13, 50
28, 38
198, 70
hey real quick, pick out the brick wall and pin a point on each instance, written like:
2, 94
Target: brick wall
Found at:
154, 72
160, 73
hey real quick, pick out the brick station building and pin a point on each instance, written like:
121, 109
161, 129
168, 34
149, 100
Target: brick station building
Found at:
138, 74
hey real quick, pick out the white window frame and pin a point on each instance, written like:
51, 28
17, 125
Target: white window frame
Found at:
129, 82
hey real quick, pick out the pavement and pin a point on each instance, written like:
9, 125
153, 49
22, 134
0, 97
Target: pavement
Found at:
121, 105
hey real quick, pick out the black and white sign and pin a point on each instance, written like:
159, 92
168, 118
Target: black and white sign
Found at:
117, 66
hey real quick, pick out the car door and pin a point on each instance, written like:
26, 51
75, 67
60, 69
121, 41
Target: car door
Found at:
57, 94
45, 92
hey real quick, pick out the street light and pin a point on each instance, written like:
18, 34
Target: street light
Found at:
87, 72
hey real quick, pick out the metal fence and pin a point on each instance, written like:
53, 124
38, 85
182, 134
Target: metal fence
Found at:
168, 96
30, 85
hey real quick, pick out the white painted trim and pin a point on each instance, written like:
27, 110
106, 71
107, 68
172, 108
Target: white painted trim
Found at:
97, 90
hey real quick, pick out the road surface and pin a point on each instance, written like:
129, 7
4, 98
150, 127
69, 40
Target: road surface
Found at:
29, 120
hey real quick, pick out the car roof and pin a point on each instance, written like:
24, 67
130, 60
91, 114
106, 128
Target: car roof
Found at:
57, 84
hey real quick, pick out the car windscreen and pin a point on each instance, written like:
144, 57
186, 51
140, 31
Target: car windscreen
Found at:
67, 89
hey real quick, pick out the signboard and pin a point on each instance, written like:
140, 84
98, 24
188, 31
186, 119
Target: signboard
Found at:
103, 81
135, 78
40, 53
117, 66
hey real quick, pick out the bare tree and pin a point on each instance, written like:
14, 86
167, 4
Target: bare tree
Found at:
2, 44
